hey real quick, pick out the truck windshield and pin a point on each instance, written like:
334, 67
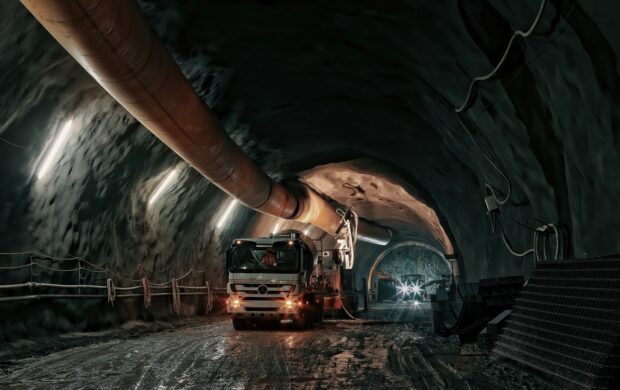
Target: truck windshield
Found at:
279, 258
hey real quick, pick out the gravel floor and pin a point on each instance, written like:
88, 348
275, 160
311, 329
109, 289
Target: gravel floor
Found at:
210, 354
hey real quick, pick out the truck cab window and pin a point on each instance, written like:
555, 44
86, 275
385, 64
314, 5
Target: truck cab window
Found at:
247, 257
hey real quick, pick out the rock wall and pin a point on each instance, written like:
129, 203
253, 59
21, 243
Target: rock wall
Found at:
94, 200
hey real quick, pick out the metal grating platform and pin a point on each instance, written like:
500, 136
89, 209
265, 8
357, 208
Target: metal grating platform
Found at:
566, 323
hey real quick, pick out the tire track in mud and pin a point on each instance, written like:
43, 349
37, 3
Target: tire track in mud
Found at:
209, 360
161, 364
172, 366
111, 364
214, 356
269, 358
210, 350
430, 366
63, 368
324, 358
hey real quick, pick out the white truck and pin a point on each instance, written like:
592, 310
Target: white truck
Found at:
281, 278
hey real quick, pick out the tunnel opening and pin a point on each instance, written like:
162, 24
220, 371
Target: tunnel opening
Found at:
400, 282
409, 258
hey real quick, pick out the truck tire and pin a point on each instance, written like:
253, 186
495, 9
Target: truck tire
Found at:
303, 321
318, 312
239, 324
310, 318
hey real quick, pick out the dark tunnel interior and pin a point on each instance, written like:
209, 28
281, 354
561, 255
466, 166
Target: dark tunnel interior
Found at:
446, 173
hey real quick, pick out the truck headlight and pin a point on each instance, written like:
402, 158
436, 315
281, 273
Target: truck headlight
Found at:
291, 304
235, 303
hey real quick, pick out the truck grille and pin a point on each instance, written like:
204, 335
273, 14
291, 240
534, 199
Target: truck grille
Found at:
261, 308
272, 290
261, 298
255, 285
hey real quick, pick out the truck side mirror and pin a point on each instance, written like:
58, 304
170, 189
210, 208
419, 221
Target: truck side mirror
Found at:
337, 258
227, 260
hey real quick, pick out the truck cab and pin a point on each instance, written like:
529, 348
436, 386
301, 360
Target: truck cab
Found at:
278, 279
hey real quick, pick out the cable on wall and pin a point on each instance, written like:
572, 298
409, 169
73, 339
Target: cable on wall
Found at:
489, 187
543, 248
518, 33
472, 92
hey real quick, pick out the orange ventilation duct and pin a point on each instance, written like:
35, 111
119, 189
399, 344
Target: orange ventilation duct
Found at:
112, 40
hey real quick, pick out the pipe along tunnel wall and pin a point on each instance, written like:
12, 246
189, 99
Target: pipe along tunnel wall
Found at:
313, 93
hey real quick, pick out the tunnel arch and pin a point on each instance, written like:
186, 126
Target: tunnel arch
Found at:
310, 161
356, 161
416, 242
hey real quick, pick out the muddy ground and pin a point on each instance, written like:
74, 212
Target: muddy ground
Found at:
208, 353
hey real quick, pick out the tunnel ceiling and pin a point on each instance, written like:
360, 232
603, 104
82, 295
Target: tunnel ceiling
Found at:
379, 195
300, 85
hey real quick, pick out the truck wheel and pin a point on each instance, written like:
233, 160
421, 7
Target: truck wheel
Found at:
301, 322
310, 318
318, 313
239, 324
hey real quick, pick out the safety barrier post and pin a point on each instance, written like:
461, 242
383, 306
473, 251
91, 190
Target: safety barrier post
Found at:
31, 276
79, 276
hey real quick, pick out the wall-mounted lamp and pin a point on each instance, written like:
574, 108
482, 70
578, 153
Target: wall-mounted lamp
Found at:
226, 214
164, 185
58, 143
276, 228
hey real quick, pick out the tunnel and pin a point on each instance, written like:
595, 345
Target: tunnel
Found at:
269, 194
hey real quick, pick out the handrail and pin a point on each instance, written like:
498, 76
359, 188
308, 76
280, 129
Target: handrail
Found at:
143, 284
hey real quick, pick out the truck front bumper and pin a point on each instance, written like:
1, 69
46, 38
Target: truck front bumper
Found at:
264, 309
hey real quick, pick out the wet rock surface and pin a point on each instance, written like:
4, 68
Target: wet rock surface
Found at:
210, 354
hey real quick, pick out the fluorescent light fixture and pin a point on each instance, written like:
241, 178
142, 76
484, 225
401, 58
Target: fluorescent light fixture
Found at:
163, 186
276, 228
372, 240
226, 213
52, 155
